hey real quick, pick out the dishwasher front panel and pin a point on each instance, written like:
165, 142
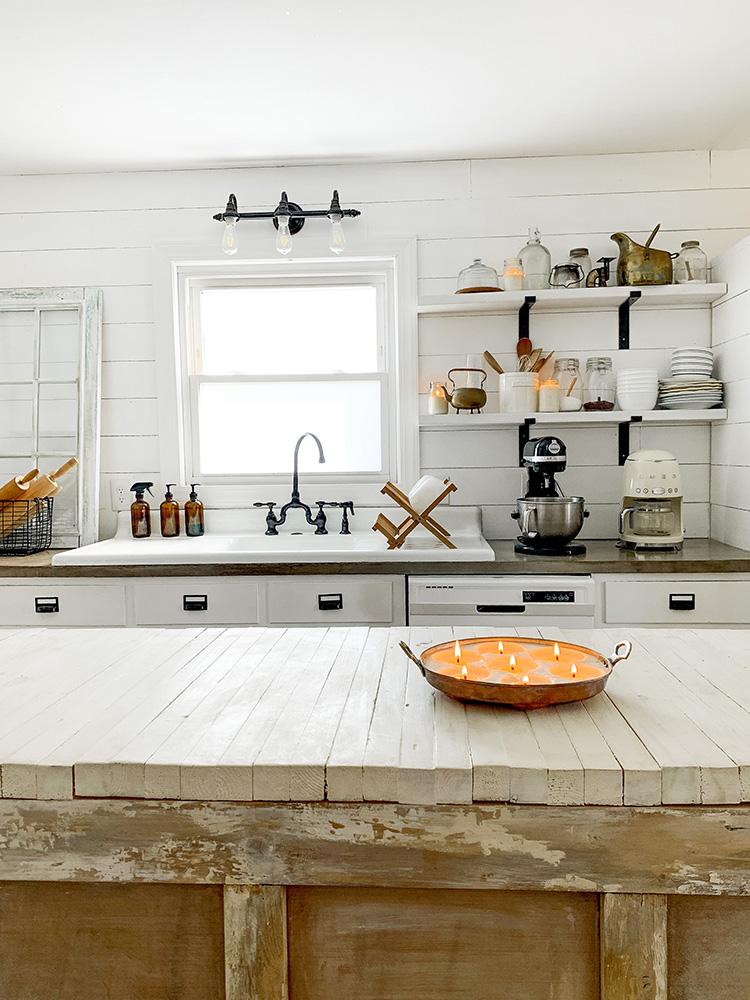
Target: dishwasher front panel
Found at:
560, 601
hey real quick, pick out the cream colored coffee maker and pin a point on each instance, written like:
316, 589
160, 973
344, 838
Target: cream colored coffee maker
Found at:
651, 514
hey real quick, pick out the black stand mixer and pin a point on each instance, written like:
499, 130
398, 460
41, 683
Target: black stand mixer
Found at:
548, 520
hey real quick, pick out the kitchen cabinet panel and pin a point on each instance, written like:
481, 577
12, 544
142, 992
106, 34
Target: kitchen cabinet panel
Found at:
57, 603
195, 601
333, 600
677, 601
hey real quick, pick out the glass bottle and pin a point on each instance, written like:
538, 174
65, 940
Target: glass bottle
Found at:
536, 261
599, 385
568, 375
194, 523
512, 274
582, 257
691, 264
170, 514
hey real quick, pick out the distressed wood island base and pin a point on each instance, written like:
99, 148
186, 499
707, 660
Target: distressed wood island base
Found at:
112, 887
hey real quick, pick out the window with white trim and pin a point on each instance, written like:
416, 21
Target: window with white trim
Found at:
269, 352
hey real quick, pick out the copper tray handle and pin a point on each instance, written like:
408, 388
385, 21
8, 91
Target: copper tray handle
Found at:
622, 651
415, 658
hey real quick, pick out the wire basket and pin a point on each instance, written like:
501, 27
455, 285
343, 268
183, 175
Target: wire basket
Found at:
25, 526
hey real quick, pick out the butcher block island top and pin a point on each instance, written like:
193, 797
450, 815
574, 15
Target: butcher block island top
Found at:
305, 715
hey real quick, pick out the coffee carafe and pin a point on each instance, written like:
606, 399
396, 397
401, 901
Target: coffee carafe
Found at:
651, 512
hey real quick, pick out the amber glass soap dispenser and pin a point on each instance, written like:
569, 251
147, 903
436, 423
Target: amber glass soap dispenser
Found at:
140, 511
194, 525
170, 514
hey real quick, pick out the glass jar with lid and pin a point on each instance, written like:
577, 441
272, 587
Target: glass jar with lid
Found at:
478, 277
691, 265
536, 262
599, 385
582, 257
568, 375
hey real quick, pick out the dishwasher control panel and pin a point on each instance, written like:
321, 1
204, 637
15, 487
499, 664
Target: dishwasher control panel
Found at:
497, 600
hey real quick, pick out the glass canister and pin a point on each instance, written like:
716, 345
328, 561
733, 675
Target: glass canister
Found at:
599, 386
691, 265
477, 277
568, 375
512, 274
536, 262
582, 257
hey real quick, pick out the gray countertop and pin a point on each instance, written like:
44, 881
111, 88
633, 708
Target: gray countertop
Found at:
699, 555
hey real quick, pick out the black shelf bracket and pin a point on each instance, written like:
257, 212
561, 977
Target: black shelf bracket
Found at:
623, 340
623, 438
523, 315
523, 437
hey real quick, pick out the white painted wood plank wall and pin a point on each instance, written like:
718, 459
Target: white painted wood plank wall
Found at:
100, 230
730, 444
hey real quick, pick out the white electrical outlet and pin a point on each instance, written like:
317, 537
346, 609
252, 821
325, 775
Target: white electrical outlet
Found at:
121, 498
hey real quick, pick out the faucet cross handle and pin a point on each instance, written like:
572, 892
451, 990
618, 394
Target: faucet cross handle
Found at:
320, 518
271, 519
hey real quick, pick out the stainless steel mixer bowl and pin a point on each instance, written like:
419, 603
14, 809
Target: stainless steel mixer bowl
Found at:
546, 521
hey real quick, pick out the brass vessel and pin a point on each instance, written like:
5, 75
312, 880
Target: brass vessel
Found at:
471, 398
642, 265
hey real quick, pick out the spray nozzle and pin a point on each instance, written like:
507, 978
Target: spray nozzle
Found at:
140, 488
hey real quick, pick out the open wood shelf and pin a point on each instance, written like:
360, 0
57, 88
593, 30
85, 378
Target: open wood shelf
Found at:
483, 421
572, 299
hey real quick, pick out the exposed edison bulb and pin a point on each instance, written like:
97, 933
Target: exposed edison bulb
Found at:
230, 241
283, 236
337, 239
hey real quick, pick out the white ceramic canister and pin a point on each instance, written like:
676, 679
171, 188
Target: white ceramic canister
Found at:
519, 392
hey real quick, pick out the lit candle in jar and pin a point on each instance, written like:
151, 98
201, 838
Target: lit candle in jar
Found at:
438, 401
512, 274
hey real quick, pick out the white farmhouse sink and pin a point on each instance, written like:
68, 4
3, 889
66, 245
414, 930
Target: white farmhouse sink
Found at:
238, 537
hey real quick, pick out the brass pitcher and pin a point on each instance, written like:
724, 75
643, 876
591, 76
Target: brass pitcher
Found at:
641, 265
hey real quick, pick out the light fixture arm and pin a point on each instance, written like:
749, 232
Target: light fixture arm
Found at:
294, 211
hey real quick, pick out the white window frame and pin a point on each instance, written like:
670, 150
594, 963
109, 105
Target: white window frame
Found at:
182, 271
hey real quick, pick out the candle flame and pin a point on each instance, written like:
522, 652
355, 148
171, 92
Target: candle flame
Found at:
557, 651
512, 662
500, 647
525, 679
457, 652
573, 670
464, 673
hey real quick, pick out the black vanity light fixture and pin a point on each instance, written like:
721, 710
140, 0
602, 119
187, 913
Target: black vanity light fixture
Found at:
288, 218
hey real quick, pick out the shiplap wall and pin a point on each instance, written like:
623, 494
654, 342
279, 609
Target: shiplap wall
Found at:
100, 230
730, 447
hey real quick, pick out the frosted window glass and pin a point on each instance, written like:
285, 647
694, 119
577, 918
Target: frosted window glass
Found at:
252, 429
293, 330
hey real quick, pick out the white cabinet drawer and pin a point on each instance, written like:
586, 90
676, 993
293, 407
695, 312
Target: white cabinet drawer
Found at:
52, 603
670, 602
196, 601
330, 601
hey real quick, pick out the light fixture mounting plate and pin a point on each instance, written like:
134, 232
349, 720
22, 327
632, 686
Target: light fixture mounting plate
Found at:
295, 223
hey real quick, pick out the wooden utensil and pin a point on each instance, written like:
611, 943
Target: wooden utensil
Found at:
41, 487
493, 363
533, 359
17, 488
572, 385
542, 361
524, 347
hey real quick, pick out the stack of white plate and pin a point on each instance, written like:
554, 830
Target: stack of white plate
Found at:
693, 394
637, 388
692, 363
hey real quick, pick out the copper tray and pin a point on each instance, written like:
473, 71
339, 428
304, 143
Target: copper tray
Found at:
438, 670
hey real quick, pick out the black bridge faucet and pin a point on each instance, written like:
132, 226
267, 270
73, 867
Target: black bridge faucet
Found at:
273, 522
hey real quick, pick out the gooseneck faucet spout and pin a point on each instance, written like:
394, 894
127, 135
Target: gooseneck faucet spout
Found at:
321, 460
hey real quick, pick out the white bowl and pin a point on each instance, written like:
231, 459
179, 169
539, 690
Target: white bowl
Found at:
640, 399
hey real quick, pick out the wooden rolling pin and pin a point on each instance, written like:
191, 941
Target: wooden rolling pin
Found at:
17, 488
13, 515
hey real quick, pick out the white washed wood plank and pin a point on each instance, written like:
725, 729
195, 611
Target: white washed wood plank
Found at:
117, 768
383, 750
271, 767
236, 763
65, 721
453, 766
307, 773
344, 768
200, 774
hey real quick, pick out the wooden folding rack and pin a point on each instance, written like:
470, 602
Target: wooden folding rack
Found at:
396, 534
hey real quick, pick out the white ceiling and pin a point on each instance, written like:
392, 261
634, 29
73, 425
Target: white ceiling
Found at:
182, 83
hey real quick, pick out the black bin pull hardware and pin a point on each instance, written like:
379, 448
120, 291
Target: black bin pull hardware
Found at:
195, 602
46, 605
330, 602
682, 602
501, 609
